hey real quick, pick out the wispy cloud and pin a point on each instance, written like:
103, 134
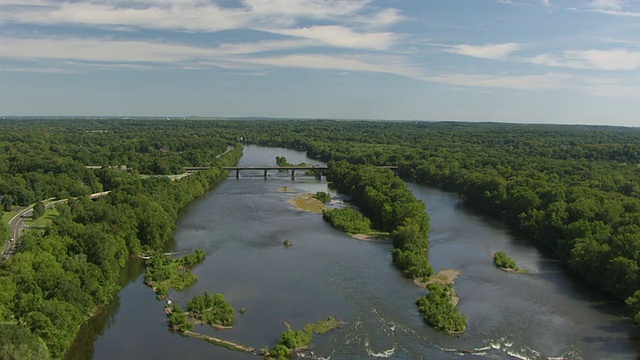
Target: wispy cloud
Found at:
489, 51
607, 4
613, 7
519, 82
193, 15
341, 36
97, 52
616, 59
359, 35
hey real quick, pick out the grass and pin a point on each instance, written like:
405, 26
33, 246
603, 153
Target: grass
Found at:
45, 219
7, 215
308, 203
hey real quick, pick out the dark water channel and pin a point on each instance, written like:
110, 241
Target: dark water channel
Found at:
241, 225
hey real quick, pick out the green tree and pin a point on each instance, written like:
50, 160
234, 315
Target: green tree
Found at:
38, 210
7, 202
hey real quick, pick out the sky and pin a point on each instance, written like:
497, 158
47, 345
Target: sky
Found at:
523, 61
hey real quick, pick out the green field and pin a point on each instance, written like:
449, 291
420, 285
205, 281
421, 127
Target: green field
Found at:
7, 215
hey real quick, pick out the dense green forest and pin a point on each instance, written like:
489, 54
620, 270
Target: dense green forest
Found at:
391, 206
574, 191
63, 274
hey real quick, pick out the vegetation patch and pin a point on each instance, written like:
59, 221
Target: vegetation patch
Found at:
322, 196
439, 310
348, 220
306, 202
504, 262
164, 273
211, 309
179, 321
292, 341
443, 277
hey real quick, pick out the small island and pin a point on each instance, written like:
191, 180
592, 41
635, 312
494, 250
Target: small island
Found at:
207, 308
164, 273
438, 307
505, 263
211, 309
439, 310
292, 341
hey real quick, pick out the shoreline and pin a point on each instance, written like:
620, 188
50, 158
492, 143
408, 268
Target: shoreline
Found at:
372, 237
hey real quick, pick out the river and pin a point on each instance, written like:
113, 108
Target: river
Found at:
241, 225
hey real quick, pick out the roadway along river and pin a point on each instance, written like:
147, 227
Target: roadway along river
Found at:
241, 226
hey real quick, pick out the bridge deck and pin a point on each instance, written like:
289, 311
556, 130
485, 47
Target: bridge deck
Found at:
275, 168
293, 169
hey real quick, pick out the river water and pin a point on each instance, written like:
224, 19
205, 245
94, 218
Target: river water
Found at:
241, 225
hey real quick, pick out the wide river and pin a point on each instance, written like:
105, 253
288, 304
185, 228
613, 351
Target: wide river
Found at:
241, 225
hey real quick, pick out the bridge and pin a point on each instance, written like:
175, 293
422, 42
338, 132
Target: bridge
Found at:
316, 169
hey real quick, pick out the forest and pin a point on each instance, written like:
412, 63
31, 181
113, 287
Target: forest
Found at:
573, 191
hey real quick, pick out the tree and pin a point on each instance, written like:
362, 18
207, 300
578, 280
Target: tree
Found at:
38, 210
7, 202
18, 343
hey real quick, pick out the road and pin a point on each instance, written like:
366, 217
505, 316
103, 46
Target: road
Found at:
17, 224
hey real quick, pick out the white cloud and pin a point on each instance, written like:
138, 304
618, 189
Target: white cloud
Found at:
519, 82
607, 4
618, 12
194, 15
382, 18
616, 59
612, 7
490, 51
342, 37
79, 52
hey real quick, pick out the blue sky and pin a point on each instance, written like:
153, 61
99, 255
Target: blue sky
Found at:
532, 61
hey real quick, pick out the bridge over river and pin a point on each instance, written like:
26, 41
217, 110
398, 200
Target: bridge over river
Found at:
317, 170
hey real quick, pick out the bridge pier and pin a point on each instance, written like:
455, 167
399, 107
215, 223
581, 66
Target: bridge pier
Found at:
293, 174
237, 174
265, 173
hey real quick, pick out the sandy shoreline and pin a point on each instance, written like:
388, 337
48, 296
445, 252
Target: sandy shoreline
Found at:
371, 237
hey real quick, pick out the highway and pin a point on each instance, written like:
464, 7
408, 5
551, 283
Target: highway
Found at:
16, 225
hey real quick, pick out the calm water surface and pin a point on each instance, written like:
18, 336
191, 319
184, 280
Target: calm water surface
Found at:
242, 224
